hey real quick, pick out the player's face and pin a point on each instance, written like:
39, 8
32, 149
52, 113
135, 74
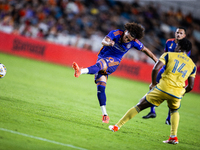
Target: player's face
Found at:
127, 37
179, 34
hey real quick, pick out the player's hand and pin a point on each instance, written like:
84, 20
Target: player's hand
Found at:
151, 86
112, 43
184, 93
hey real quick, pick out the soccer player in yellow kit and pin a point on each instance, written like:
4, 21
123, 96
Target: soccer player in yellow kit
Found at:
179, 68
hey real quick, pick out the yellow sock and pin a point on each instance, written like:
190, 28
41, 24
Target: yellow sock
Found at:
174, 123
129, 114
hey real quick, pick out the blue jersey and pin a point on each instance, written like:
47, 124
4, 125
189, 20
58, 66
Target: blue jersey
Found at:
169, 47
119, 49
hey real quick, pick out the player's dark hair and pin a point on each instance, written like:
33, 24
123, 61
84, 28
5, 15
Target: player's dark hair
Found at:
183, 28
185, 44
135, 30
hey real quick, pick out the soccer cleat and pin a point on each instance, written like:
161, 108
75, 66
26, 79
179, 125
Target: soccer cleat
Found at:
172, 140
149, 115
167, 122
105, 119
77, 69
114, 128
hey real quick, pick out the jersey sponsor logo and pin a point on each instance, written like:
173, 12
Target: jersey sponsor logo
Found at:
117, 46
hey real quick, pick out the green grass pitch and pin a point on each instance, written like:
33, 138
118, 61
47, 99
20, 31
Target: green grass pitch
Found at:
44, 107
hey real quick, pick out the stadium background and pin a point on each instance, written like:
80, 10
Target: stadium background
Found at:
82, 24
42, 105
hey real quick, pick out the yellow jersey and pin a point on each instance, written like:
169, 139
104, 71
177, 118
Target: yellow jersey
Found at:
178, 68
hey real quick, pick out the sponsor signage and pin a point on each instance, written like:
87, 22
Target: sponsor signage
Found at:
65, 55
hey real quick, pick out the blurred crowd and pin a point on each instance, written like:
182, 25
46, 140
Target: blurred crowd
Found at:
84, 23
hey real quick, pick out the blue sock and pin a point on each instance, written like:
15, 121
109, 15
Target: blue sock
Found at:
95, 68
169, 116
153, 109
101, 94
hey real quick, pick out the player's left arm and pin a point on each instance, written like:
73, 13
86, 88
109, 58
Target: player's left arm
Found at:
150, 54
159, 64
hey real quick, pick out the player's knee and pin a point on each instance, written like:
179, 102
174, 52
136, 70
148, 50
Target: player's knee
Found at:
173, 110
101, 83
143, 104
101, 86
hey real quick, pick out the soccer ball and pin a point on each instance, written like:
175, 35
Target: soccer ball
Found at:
2, 70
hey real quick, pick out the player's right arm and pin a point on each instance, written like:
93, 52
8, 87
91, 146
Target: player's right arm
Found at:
190, 85
159, 64
191, 78
107, 42
150, 54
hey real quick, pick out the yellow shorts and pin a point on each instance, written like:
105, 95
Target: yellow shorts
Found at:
156, 97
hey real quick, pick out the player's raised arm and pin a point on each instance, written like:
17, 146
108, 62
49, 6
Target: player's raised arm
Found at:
107, 42
150, 54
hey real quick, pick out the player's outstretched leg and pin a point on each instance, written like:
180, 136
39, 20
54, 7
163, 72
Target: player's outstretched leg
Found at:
113, 128
151, 114
129, 114
76, 69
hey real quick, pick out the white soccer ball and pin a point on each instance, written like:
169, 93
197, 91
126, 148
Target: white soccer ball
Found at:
2, 70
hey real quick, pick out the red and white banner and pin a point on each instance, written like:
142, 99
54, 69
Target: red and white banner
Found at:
65, 55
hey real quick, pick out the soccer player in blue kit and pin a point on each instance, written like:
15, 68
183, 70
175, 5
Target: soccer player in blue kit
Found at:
115, 45
169, 47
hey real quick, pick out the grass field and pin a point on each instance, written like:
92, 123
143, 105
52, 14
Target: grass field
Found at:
44, 107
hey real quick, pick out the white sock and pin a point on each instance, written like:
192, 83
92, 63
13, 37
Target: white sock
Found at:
172, 136
84, 71
117, 126
103, 109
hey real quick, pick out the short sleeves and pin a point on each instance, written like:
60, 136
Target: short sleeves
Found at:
164, 58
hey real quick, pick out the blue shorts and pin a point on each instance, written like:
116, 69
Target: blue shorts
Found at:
112, 64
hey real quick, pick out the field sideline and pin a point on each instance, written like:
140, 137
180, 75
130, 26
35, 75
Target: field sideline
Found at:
44, 107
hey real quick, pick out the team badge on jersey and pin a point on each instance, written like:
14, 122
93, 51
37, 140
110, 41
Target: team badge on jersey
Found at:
171, 46
128, 46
